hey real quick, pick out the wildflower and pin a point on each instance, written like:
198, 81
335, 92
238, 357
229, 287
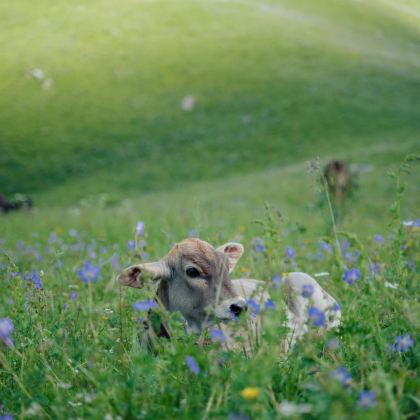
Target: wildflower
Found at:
391, 285
374, 268
325, 246
269, 304
352, 275
217, 335
6, 417
253, 306
188, 103
6, 328
366, 399
307, 290
89, 273
276, 281
131, 245
379, 239
342, 375
336, 307
402, 343
115, 262
316, 316
250, 393
144, 305
258, 245
193, 233
290, 253
192, 364
36, 279
73, 295
289, 409
411, 223
140, 228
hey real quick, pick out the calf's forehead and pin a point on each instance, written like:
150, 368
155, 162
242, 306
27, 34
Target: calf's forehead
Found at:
197, 251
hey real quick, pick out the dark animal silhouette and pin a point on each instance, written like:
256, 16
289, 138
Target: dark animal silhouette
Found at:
18, 202
339, 179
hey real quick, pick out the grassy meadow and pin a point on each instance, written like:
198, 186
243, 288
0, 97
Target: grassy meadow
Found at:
209, 119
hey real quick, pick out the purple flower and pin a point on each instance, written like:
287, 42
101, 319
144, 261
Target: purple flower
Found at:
131, 245
144, 305
326, 247
352, 275
217, 335
6, 417
192, 364
316, 316
89, 273
374, 268
342, 375
73, 295
115, 262
6, 328
336, 307
402, 343
140, 228
270, 305
258, 245
307, 290
290, 253
36, 279
253, 307
366, 399
379, 239
276, 281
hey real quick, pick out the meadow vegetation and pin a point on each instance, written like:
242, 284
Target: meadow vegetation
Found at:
199, 118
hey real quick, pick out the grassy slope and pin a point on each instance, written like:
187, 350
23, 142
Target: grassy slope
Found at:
274, 81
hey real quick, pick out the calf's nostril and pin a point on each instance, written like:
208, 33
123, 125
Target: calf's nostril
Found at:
236, 309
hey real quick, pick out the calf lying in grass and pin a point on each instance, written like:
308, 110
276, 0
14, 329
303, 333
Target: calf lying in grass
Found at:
194, 279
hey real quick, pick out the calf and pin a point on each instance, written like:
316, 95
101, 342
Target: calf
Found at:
194, 279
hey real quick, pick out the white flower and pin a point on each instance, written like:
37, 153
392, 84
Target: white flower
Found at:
188, 103
289, 409
391, 285
37, 74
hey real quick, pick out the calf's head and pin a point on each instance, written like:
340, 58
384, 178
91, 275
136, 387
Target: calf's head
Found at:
193, 278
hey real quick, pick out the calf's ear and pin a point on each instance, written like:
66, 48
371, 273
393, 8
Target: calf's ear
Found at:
234, 251
137, 275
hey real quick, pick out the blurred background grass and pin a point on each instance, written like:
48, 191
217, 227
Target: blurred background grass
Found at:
92, 100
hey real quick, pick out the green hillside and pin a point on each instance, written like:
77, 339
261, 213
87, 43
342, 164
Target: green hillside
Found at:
274, 82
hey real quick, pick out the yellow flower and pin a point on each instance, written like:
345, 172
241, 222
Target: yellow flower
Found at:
250, 392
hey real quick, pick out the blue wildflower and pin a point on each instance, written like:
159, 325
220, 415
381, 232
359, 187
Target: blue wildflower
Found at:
193, 233
89, 273
115, 262
290, 253
217, 335
270, 305
253, 307
144, 305
374, 268
258, 245
73, 295
336, 307
379, 239
36, 279
366, 399
316, 316
6, 417
6, 328
352, 275
307, 290
402, 343
140, 228
342, 375
192, 364
276, 281
326, 247
131, 245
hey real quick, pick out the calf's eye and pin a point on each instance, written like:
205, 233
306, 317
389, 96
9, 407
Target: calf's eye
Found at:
192, 272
